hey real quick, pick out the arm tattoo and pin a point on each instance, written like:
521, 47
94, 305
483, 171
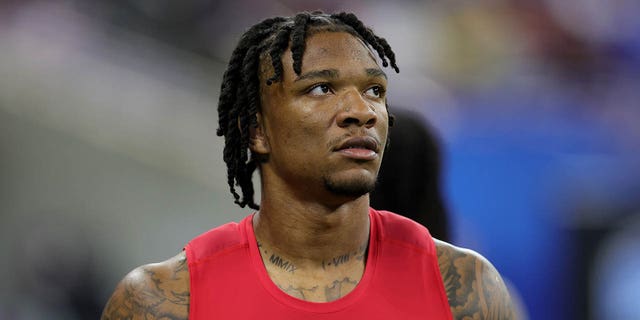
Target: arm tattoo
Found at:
150, 294
474, 288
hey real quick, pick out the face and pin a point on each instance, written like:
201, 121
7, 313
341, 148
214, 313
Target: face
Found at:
324, 131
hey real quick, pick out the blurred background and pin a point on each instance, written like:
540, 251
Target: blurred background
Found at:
109, 159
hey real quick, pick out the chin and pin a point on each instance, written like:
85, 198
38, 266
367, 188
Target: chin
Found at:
350, 188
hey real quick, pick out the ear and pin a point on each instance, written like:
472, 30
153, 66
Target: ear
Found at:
258, 142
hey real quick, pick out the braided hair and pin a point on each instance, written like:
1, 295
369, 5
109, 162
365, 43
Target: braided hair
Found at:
240, 92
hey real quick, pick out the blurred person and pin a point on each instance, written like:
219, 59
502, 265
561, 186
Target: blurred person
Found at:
614, 278
409, 183
409, 180
303, 101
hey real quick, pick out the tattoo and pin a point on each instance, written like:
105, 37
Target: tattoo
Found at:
277, 261
361, 255
332, 291
260, 249
474, 288
298, 292
344, 258
282, 264
148, 295
336, 261
335, 291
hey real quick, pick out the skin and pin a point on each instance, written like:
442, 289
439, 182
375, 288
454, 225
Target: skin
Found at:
312, 239
303, 120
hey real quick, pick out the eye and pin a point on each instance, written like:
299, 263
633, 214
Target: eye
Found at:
375, 92
320, 90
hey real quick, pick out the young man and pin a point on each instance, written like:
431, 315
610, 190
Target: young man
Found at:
303, 100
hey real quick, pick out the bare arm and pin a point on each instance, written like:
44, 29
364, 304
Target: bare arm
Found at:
154, 291
474, 287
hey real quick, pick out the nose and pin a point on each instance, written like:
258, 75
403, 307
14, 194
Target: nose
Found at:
356, 111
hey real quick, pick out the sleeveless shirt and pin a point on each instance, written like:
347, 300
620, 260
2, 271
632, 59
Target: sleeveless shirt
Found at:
401, 279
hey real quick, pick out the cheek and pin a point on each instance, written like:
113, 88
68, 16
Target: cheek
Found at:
383, 119
310, 131
300, 131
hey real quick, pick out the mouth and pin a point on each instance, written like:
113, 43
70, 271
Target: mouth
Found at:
359, 148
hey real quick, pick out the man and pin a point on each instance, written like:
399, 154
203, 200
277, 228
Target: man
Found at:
303, 100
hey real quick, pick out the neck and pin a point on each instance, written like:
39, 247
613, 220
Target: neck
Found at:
314, 250
311, 235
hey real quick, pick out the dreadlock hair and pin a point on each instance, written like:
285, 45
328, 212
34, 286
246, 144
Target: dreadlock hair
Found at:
240, 92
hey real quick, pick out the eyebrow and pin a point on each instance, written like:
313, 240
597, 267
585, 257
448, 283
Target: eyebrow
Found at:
334, 74
327, 73
375, 72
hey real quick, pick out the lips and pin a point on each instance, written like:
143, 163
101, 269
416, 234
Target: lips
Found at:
360, 148
366, 142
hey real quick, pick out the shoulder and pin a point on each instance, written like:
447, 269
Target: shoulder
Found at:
153, 291
474, 287
400, 229
217, 240
394, 224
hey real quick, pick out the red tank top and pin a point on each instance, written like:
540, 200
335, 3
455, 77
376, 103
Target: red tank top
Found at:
401, 278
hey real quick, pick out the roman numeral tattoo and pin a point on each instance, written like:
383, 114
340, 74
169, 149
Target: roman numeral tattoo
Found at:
344, 258
282, 264
278, 261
